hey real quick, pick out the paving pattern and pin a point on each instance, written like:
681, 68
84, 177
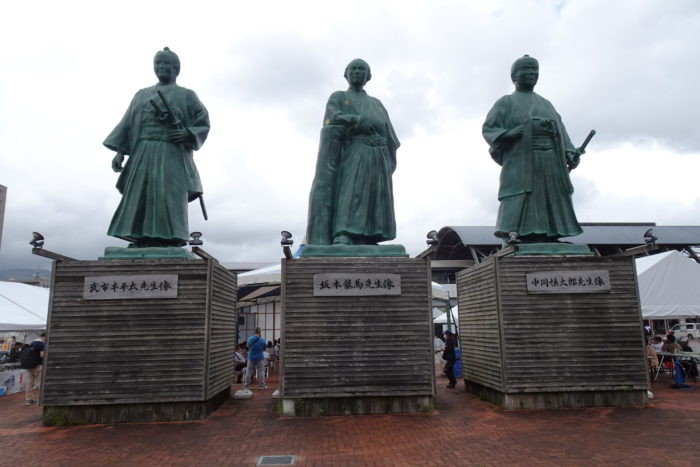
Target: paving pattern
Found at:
463, 431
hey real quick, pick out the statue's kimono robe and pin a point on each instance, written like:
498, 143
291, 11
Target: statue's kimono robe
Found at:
159, 177
352, 192
535, 189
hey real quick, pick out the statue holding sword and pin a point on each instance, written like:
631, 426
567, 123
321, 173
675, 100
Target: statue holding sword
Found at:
162, 127
527, 138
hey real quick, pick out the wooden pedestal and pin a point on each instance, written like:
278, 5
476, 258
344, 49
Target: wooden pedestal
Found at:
138, 359
347, 352
552, 348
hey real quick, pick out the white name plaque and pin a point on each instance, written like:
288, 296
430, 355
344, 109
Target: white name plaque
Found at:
127, 287
585, 281
356, 284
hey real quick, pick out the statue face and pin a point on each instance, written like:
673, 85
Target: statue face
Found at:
526, 76
164, 67
357, 73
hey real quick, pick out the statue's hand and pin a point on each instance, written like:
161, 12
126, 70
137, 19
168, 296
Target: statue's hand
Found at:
117, 161
178, 136
573, 159
351, 121
513, 134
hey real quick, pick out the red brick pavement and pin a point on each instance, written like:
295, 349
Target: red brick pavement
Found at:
462, 431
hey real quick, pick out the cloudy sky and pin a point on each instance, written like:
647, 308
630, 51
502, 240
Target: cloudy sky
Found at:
265, 70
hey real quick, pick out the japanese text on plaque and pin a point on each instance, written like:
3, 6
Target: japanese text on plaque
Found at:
130, 287
356, 284
572, 281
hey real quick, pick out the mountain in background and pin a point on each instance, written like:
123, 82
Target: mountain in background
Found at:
24, 274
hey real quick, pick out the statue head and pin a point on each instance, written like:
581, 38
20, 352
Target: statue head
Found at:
524, 72
166, 63
356, 71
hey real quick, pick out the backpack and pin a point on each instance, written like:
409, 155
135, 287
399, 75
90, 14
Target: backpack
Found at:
28, 358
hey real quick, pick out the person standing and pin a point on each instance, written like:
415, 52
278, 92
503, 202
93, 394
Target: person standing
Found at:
32, 359
450, 357
256, 359
528, 140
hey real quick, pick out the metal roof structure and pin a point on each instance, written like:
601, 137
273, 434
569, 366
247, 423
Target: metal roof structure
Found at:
472, 243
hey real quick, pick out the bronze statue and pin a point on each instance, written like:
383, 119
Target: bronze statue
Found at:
160, 129
528, 140
352, 201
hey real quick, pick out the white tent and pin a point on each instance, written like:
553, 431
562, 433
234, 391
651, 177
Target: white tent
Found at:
268, 275
669, 286
23, 307
454, 319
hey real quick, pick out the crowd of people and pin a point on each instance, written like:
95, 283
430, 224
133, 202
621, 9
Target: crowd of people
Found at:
30, 358
657, 346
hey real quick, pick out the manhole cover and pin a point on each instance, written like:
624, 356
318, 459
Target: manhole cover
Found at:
277, 460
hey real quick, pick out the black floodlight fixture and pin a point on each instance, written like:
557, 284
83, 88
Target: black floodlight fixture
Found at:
513, 238
286, 238
37, 240
432, 238
286, 243
196, 239
649, 237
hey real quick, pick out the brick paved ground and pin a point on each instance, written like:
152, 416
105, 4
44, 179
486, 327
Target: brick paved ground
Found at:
462, 431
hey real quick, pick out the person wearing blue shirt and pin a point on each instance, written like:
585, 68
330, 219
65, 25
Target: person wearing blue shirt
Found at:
256, 359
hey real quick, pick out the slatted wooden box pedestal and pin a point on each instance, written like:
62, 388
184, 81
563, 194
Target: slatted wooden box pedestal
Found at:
356, 336
558, 331
163, 356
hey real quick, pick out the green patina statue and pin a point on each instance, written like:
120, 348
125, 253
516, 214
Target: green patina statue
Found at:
528, 140
160, 129
352, 201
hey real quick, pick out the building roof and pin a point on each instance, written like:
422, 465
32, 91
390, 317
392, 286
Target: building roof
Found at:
471, 242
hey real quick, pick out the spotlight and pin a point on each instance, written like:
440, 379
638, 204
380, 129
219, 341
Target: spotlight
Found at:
196, 239
286, 238
649, 237
37, 240
286, 243
513, 238
432, 238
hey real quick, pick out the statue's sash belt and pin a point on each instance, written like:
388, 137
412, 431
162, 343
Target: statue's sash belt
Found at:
154, 133
369, 140
542, 143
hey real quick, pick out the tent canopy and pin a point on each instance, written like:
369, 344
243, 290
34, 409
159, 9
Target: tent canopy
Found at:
668, 286
454, 319
22, 307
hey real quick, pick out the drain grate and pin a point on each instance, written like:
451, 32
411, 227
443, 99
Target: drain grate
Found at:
277, 460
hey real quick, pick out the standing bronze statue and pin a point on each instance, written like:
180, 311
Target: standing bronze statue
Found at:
352, 201
528, 140
161, 128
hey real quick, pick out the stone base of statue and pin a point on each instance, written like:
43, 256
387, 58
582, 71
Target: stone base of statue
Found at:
174, 252
138, 340
344, 251
552, 248
552, 331
357, 336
